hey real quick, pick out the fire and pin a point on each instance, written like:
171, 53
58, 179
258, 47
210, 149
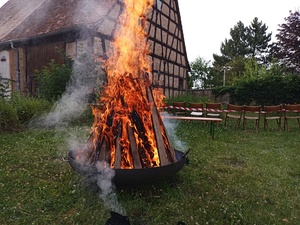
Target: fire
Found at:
126, 124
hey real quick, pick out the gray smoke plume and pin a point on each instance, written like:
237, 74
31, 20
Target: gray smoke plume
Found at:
171, 126
107, 188
84, 80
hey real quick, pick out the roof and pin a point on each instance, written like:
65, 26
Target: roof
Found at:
23, 19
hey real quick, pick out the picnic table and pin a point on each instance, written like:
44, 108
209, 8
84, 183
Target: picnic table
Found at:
212, 121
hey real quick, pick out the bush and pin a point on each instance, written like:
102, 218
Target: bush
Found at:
186, 98
8, 115
52, 80
18, 110
4, 87
270, 90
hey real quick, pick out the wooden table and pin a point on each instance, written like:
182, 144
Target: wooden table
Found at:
212, 121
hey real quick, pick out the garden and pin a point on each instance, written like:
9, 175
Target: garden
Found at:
240, 177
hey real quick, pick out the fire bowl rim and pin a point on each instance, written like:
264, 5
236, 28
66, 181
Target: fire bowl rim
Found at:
132, 176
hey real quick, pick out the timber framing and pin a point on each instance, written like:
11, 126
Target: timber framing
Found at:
51, 23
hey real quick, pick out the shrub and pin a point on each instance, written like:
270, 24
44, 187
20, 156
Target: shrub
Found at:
4, 87
268, 90
29, 107
52, 80
18, 110
8, 115
186, 98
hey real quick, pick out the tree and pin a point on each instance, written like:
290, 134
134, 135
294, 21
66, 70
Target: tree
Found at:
233, 47
245, 42
259, 39
287, 47
200, 70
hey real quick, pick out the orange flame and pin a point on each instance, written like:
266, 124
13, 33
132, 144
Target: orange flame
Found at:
125, 98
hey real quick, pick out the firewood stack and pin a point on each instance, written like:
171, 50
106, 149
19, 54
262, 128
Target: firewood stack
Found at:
129, 134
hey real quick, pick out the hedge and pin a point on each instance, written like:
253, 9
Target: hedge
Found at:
269, 90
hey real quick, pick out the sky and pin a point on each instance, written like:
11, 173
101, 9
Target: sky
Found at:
206, 24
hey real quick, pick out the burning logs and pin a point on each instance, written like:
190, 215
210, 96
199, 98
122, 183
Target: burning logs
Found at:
131, 139
129, 134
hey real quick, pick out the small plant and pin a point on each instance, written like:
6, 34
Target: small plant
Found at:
8, 115
4, 87
17, 111
52, 80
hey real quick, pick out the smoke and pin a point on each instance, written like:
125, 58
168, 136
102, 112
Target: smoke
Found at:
171, 126
100, 181
107, 188
74, 101
91, 9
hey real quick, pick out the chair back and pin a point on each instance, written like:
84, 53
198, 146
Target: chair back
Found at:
293, 107
210, 105
236, 108
179, 104
179, 108
272, 108
291, 112
196, 106
252, 109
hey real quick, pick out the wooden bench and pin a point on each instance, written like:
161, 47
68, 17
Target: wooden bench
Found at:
207, 119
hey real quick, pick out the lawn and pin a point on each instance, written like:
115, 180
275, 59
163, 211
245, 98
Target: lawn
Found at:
237, 178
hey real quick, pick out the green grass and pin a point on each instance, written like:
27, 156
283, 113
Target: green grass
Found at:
237, 178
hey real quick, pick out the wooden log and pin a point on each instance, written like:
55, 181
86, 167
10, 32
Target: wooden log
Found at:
163, 155
104, 153
88, 151
170, 150
118, 153
133, 148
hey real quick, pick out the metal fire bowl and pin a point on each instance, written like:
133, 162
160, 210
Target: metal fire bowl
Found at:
132, 176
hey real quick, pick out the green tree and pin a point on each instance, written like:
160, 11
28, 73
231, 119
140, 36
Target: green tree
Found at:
228, 64
245, 42
258, 40
199, 74
287, 47
233, 47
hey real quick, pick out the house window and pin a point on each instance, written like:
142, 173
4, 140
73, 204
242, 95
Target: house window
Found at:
159, 4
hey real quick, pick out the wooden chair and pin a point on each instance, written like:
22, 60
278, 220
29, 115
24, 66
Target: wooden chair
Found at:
273, 112
234, 112
213, 110
252, 113
179, 111
196, 109
291, 112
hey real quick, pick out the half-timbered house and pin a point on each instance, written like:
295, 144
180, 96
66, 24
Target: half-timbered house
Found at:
31, 31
